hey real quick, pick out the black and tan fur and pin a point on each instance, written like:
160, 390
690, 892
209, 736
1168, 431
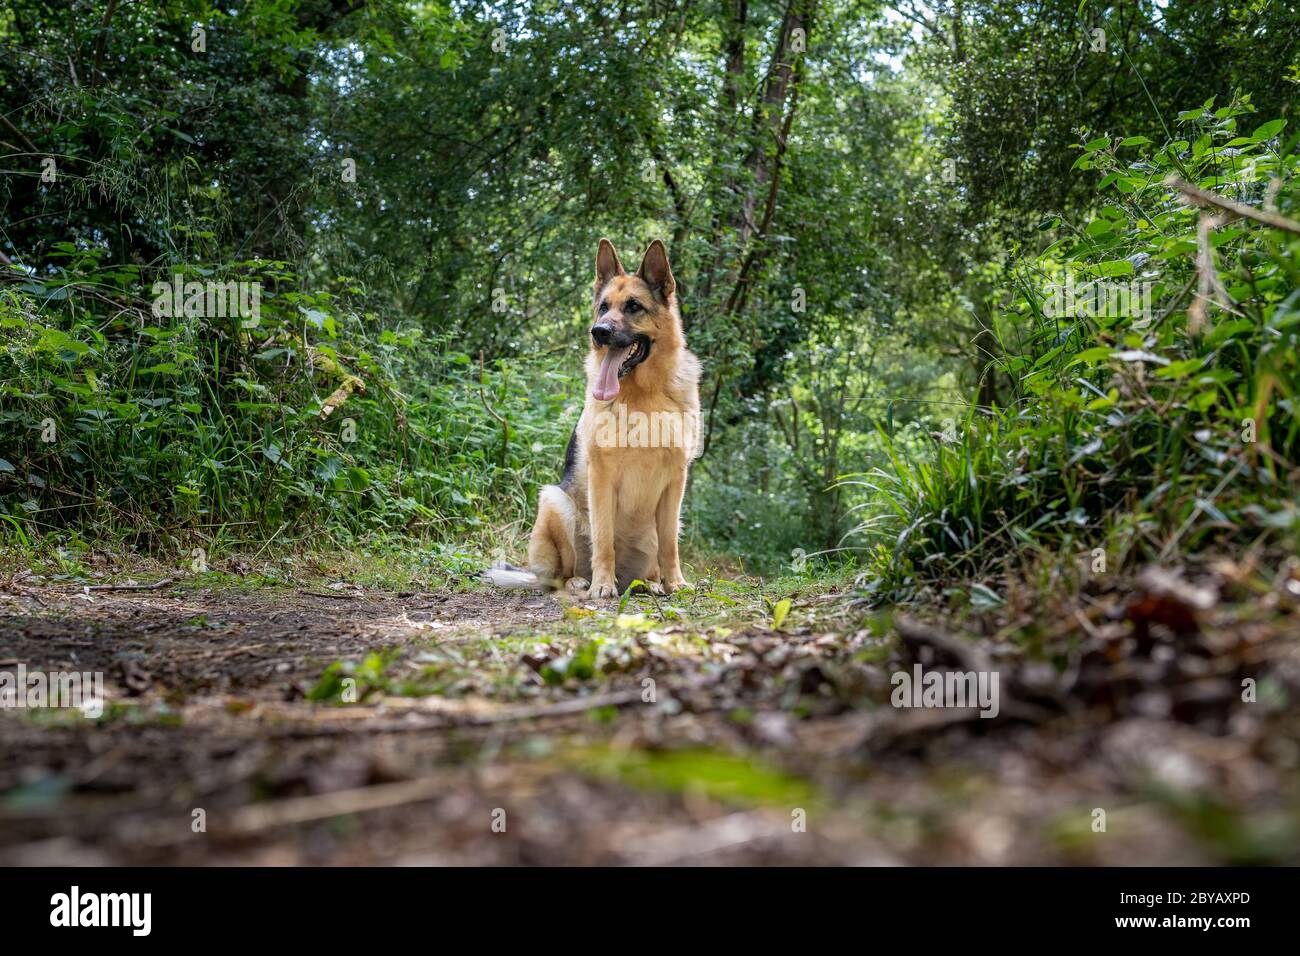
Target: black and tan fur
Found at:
615, 516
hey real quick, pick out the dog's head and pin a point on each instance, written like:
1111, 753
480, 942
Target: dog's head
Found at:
632, 315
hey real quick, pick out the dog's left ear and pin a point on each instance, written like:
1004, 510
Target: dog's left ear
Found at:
656, 272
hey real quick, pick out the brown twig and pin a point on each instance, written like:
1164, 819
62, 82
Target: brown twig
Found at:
505, 425
128, 587
565, 708
713, 407
1203, 197
19, 133
257, 817
1209, 285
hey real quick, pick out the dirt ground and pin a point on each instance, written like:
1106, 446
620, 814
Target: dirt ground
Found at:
493, 728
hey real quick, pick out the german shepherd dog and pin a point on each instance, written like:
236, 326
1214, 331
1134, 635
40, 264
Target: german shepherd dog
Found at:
615, 516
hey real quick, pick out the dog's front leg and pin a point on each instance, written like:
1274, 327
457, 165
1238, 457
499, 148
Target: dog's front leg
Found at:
668, 517
601, 509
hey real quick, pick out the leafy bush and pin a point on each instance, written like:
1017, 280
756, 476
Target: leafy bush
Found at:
316, 415
1152, 424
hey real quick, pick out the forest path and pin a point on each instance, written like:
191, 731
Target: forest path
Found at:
498, 727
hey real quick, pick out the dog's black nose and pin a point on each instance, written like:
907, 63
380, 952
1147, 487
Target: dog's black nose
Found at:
602, 334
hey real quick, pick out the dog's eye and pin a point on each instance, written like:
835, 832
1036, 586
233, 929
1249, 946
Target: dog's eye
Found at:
604, 307
632, 306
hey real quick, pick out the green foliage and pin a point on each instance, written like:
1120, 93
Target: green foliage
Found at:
200, 428
713, 774
851, 225
1145, 421
368, 676
1023, 79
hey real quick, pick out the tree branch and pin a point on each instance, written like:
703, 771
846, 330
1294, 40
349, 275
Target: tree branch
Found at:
101, 42
19, 133
1202, 197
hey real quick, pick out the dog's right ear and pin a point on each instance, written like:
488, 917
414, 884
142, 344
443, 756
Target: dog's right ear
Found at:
607, 264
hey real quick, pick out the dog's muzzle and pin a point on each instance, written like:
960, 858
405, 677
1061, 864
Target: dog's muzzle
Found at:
605, 335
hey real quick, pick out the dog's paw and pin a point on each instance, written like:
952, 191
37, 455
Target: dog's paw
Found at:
675, 583
577, 586
654, 587
601, 590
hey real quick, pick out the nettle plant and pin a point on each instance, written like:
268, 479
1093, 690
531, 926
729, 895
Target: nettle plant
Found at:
169, 407
162, 404
1179, 373
1153, 354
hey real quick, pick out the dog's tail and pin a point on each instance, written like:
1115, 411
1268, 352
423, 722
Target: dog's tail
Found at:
508, 576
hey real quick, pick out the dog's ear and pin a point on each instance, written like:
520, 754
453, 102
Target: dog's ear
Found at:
607, 264
656, 272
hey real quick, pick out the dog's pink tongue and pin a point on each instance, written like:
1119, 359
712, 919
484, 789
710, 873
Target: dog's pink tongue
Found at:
606, 386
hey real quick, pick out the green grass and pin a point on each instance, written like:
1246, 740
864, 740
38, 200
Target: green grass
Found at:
717, 775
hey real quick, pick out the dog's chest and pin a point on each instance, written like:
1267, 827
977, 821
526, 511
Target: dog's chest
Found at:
640, 448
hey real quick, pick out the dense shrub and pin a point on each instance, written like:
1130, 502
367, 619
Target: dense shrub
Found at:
1158, 431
